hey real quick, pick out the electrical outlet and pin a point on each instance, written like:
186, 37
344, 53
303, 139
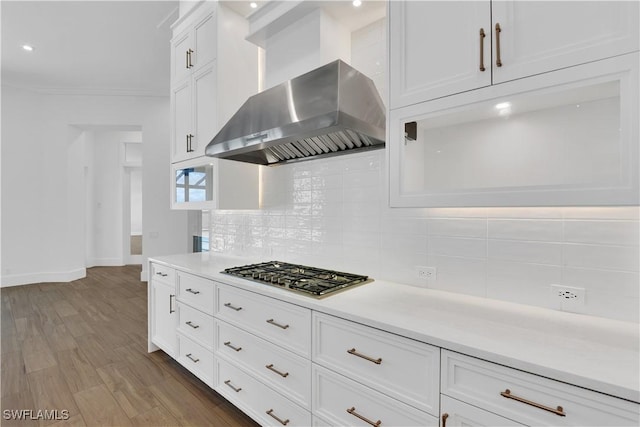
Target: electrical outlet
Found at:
569, 298
426, 273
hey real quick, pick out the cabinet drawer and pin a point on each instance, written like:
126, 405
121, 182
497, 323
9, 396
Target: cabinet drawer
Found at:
459, 414
256, 399
196, 325
400, 367
286, 372
196, 291
196, 358
164, 274
341, 402
283, 324
512, 393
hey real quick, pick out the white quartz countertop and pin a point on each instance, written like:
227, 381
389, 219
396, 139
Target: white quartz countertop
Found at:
591, 352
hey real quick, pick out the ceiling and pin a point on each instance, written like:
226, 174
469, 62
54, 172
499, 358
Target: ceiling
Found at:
88, 46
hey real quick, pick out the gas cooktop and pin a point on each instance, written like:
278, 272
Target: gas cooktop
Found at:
311, 281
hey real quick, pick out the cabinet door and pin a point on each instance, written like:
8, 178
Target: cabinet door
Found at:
435, 49
541, 36
180, 67
163, 318
458, 414
182, 122
204, 41
204, 94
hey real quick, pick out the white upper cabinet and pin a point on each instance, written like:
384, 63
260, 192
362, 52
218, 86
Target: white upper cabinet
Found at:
435, 49
438, 48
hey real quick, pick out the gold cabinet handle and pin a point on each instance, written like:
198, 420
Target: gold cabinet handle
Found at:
171, 310
558, 411
272, 415
192, 359
236, 389
271, 368
189, 63
444, 419
228, 344
370, 359
498, 59
353, 412
190, 323
482, 36
274, 323
191, 291
232, 307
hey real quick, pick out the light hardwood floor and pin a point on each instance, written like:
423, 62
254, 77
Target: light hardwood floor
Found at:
82, 347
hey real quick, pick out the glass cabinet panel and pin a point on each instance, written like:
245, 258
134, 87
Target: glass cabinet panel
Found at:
566, 144
193, 184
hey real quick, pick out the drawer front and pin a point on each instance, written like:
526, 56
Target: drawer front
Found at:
400, 367
257, 400
459, 414
196, 325
283, 324
342, 402
196, 358
196, 291
282, 370
485, 385
164, 274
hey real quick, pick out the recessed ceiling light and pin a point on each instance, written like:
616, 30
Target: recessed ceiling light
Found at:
27, 47
503, 105
357, 3
253, 5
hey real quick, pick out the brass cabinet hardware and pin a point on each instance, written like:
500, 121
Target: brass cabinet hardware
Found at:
353, 412
482, 36
229, 305
271, 368
228, 344
171, 310
189, 63
271, 414
190, 323
192, 359
558, 411
192, 291
236, 389
274, 323
370, 359
498, 59
444, 419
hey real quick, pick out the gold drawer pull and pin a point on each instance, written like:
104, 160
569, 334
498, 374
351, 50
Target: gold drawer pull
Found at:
236, 389
498, 59
190, 323
482, 36
370, 359
271, 321
271, 368
228, 344
353, 412
192, 359
444, 419
192, 291
270, 413
232, 307
558, 411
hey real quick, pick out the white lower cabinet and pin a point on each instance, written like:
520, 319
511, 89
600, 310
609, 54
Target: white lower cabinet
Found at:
530, 399
344, 402
162, 310
257, 400
459, 414
196, 359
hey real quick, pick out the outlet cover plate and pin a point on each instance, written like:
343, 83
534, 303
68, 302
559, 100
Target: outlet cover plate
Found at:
568, 298
426, 273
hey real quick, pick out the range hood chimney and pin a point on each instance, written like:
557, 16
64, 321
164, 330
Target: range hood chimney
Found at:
331, 110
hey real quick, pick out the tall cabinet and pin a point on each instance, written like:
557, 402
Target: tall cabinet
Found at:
213, 71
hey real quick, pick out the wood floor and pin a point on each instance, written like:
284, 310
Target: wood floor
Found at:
82, 347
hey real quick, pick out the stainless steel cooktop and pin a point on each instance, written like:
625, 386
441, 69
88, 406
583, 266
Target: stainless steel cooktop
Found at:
311, 281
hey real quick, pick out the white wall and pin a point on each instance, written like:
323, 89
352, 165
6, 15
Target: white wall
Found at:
43, 205
334, 213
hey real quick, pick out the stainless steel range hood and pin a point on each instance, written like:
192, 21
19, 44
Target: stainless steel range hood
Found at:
331, 110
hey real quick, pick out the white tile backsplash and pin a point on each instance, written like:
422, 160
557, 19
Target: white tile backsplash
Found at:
335, 218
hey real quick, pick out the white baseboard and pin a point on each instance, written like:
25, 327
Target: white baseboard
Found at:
107, 262
144, 274
27, 279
